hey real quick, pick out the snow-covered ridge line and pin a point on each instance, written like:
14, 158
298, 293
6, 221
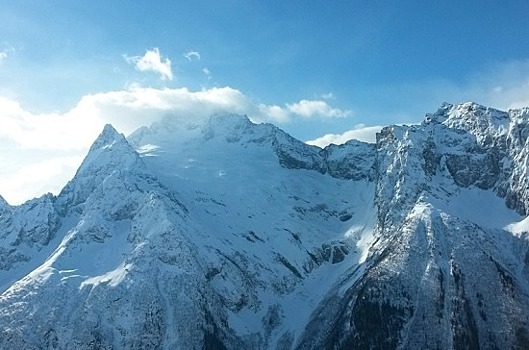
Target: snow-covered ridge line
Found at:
221, 233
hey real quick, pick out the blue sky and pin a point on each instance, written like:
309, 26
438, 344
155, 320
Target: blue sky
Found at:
310, 67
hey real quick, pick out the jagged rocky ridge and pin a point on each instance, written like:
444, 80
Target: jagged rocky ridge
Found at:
226, 234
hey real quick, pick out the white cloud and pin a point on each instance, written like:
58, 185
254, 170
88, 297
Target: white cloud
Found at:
359, 132
4, 54
152, 62
129, 109
192, 55
51, 146
504, 86
207, 72
510, 96
37, 177
44, 131
328, 96
316, 108
274, 113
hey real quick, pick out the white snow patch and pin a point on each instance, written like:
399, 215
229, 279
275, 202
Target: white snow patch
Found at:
519, 227
481, 207
113, 278
147, 150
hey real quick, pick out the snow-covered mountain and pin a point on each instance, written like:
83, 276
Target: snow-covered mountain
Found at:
221, 233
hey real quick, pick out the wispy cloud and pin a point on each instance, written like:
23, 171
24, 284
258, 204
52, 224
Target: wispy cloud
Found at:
304, 109
192, 55
63, 138
138, 106
47, 172
207, 72
504, 85
359, 132
5, 53
272, 113
328, 96
152, 61
316, 108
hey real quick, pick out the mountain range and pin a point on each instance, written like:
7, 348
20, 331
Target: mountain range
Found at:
220, 233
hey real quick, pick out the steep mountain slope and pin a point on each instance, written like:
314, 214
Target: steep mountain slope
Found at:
223, 243
446, 270
220, 233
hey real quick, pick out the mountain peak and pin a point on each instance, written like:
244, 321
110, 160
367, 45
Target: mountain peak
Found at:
107, 138
480, 121
109, 153
465, 112
110, 146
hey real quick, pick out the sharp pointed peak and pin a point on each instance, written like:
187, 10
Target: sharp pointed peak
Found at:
107, 137
108, 128
109, 152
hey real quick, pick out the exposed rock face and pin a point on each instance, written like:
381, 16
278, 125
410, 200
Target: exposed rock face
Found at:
226, 234
434, 275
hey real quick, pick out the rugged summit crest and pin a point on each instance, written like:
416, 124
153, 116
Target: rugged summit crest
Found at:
221, 233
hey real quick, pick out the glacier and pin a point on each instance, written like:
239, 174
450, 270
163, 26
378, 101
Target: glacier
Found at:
219, 233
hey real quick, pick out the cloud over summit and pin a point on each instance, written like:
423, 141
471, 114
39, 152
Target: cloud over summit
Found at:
64, 138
